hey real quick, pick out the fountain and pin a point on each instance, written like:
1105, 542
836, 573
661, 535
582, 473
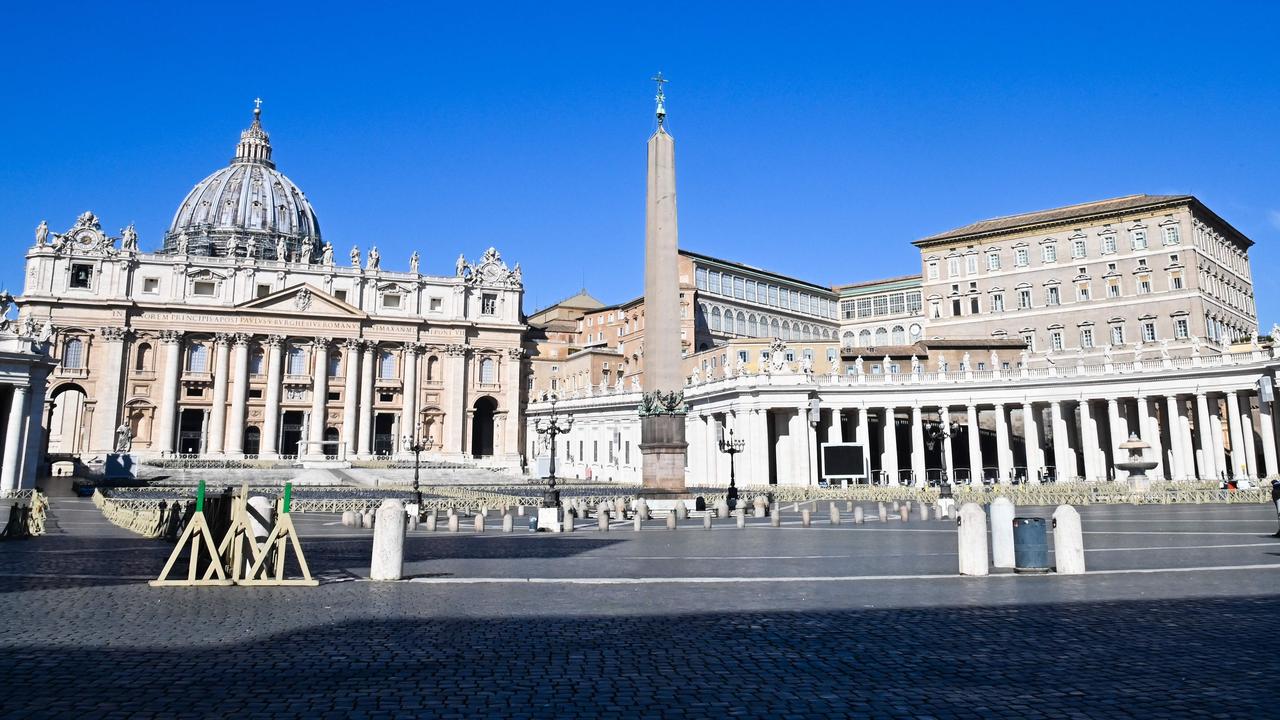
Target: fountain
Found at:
1135, 465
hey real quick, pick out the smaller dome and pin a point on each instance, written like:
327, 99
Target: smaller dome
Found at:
246, 208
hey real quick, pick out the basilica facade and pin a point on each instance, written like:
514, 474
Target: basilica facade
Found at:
244, 337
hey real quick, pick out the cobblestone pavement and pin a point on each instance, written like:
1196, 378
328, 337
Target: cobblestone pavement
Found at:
1182, 619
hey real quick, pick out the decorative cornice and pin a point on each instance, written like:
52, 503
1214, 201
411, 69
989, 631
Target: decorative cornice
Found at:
241, 339
172, 337
456, 350
274, 341
115, 333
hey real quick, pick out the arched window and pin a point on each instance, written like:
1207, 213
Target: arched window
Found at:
715, 318
882, 336
143, 361
847, 339
255, 362
433, 369
295, 362
335, 364
488, 371
753, 326
786, 330
73, 354
774, 326
386, 364
742, 323
899, 335
864, 338
198, 359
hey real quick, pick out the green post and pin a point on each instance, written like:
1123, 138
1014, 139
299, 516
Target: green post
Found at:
200, 497
288, 495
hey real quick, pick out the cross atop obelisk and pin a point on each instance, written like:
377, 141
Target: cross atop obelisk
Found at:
661, 97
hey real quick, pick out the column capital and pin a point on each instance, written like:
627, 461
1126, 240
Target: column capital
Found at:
1112, 402
321, 343
352, 344
241, 339
116, 333
415, 348
171, 337
222, 339
457, 350
274, 341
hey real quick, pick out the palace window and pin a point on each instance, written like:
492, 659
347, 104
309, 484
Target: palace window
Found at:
1050, 253
882, 336
773, 295
846, 309
1175, 280
1082, 291
914, 304
1113, 288
933, 269
997, 302
1052, 296
1171, 235
740, 288
971, 264
1077, 248
993, 261
973, 306
899, 335
1086, 337
880, 305
1021, 257
864, 338
1108, 243
1055, 340
1139, 238
897, 304
700, 278
751, 291
489, 304
1144, 284
1180, 329
1030, 339
73, 354
81, 275
1117, 334
1149, 331
1024, 299
953, 267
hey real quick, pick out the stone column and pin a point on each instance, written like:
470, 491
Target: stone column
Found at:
1177, 468
860, 428
13, 426
350, 394
364, 448
809, 447
409, 398
319, 395
1219, 444
696, 457
239, 395
835, 431
1267, 429
109, 390
1246, 430
218, 413
270, 447
1205, 455
1064, 458
711, 435
889, 454
975, 446
514, 379
1031, 442
1118, 432
948, 453
758, 446
455, 375
917, 446
1238, 464
1094, 463
1149, 430
167, 412
1189, 455
1004, 461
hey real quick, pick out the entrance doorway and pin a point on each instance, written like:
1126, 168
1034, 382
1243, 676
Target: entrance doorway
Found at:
331, 441
191, 431
482, 427
291, 431
252, 440
384, 434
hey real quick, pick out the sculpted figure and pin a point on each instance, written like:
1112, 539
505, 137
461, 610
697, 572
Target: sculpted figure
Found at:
1164, 349
1195, 344
233, 246
374, 258
461, 266
695, 377
413, 262
129, 239
517, 273
326, 255
1137, 351
964, 362
355, 256
1275, 332
857, 365
282, 250
1106, 354
124, 438
915, 364
251, 247
995, 360
46, 331
635, 384
42, 233
183, 244
1023, 357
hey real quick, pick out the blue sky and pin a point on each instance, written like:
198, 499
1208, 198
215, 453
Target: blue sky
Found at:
815, 140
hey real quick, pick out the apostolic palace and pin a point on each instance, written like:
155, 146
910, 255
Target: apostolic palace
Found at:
1024, 348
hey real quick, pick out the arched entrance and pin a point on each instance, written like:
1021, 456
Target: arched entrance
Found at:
67, 420
331, 441
252, 440
482, 426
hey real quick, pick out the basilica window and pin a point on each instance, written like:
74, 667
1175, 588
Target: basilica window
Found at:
255, 362
142, 361
81, 276
198, 359
489, 304
488, 371
391, 301
295, 362
73, 354
151, 286
204, 288
335, 364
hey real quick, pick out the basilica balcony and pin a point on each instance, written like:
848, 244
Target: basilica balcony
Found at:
192, 377
297, 380
142, 374
66, 372
385, 383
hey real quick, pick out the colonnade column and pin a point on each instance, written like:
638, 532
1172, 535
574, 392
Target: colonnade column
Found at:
364, 446
103, 436
409, 394
711, 435
1093, 470
1064, 458
1149, 430
860, 428
758, 444
1118, 434
13, 426
694, 458
350, 394
1004, 451
835, 431
221, 373
975, 445
271, 414
948, 453
1205, 455
1031, 442
319, 396
166, 414
1219, 444
1177, 468
808, 447
1238, 464
1267, 429
1189, 455
889, 435
917, 446
515, 376
239, 395
1246, 429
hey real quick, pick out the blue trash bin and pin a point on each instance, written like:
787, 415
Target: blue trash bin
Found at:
1030, 545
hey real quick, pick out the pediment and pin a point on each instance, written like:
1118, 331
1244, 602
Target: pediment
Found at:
305, 300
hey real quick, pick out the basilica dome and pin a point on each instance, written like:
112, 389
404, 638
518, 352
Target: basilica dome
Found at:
246, 208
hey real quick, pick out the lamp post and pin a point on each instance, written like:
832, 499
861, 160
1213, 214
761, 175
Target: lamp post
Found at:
932, 438
414, 445
550, 428
732, 447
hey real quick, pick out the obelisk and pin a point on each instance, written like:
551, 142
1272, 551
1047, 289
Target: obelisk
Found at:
662, 411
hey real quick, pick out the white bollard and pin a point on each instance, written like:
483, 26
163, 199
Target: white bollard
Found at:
520, 511
671, 520
508, 523
682, 512
706, 521
366, 520
1068, 541
1002, 511
742, 518
804, 517
620, 509
567, 525
762, 506
884, 513
479, 523
602, 510
835, 514
858, 516
430, 525
775, 517
848, 506
924, 511
453, 523
636, 522
972, 536
642, 509
602, 521
349, 518
904, 512
388, 542
411, 521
